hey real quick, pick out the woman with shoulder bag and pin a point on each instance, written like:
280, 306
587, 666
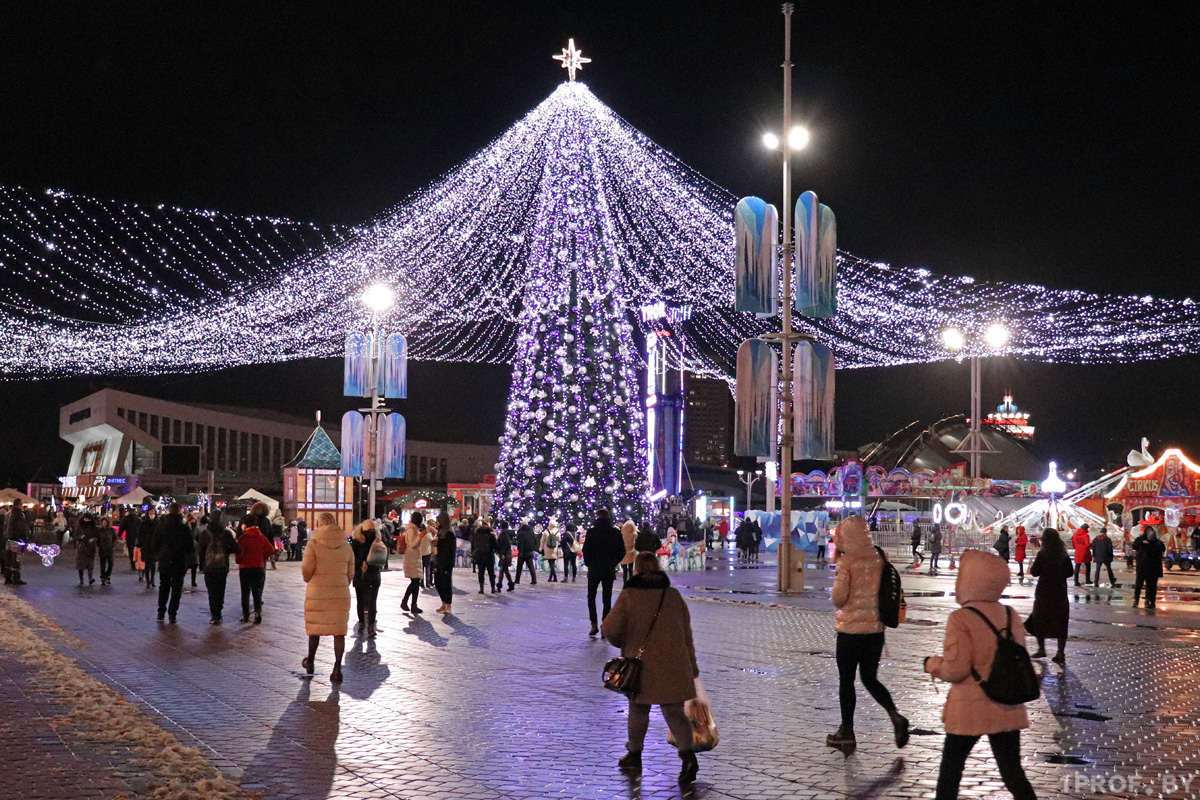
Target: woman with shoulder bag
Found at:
328, 569
366, 576
650, 621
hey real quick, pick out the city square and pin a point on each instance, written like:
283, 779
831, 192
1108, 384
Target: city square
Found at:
359, 359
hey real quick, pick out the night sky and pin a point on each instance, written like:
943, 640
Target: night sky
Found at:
1015, 142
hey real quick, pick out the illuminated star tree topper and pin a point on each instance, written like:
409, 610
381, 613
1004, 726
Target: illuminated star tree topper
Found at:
572, 59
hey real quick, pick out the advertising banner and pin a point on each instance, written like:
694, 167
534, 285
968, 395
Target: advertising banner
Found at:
756, 412
354, 444
812, 369
356, 374
756, 227
391, 441
393, 368
816, 258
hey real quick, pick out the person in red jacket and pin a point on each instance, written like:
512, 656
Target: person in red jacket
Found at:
253, 551
1019, 552
1082, 542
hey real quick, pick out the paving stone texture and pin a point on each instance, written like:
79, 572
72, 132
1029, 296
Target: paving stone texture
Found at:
502, 700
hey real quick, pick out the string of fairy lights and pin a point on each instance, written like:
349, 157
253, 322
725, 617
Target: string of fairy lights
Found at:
92, 286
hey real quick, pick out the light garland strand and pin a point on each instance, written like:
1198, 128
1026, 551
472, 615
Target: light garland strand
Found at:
96, 287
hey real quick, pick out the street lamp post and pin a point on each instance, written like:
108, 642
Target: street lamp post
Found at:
378, 298
974, 445
749, 479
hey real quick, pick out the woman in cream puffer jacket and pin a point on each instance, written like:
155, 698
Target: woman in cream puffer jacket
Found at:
971, 645
328, 568
859, 631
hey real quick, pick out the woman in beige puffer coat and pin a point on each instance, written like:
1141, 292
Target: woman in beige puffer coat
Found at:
629, 536
328, 569
415, 537
970, 646
859, 631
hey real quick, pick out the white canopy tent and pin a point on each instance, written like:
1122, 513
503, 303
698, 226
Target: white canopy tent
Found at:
13, 495
258, 497
134, 498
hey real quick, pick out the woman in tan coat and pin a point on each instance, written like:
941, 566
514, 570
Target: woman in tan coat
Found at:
415, 537
629, 535
970, 647
328, 568
859, 631
651, 620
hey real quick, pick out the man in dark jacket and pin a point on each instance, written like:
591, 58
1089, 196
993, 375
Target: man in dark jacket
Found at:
603, 549
1149, 565
145, 542
173, 547
1102, 554
527, 545
17, 529
128, 528
216, 546
504, 545
646, 541
483, 553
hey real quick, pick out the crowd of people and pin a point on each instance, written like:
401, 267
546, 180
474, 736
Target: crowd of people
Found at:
649, 619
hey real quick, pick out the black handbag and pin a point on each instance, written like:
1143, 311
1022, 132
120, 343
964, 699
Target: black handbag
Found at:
624, 673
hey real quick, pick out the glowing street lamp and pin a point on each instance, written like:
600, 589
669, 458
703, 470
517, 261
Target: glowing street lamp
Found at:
797, 139
952, 339
378, 297
955, 341
996, 336
749, 478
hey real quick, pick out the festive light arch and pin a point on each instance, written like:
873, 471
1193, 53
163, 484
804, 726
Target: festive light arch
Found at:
101, 287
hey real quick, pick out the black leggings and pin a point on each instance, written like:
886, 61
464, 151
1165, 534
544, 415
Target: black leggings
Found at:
442, 580
413, 590
486, 567
860, 652
569, 564
1006, 749
366, 595
506, 572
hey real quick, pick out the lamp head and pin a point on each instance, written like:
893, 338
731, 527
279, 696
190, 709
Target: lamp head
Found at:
952, 339
378, 297
997, 336
770, 141
798, 137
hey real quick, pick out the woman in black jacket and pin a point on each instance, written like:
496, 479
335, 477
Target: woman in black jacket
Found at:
570, 557
366, 578
504, 546
443, 566
1051, 609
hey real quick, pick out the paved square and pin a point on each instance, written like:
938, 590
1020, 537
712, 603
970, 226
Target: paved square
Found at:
503, 700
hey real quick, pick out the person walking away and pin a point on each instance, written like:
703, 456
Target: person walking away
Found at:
1082, 542
483, 553
106, 543
293, 536
443, 566
414, 535
935, 548
756, 535
1019, 553
629, 536
194, 561
254, 550
603, 550
550, 549
128, 528
527, 545
327, 569
86, 533
859, 629
647, 541
1002, 544
1051, 609
504, 546
914, 542
215, 547
366, 578
650, 620
570, 553
173, 546
966, 661
741, 539
16, 529
145, 542
1149, 565
1102, 556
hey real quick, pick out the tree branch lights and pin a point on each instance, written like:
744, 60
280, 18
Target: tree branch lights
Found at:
574, 437
89, 286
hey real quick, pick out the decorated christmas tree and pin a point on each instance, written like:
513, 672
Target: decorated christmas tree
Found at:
574, 439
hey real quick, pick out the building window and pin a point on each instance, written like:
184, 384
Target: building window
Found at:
187, 433
424, 473
177, 431
221, 452
276, 454
444, 474
325, 489
210, 446
166, 430
254, 452
154, 425
244, 452
142, 420
121, 412
412, 468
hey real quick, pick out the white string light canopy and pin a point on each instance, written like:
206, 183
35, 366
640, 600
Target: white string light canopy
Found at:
93, 286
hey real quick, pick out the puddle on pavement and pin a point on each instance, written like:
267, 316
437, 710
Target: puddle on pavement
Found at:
1062, 758
1090, 716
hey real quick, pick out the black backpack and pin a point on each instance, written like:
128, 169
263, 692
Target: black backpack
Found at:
891, 594
1012, 679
